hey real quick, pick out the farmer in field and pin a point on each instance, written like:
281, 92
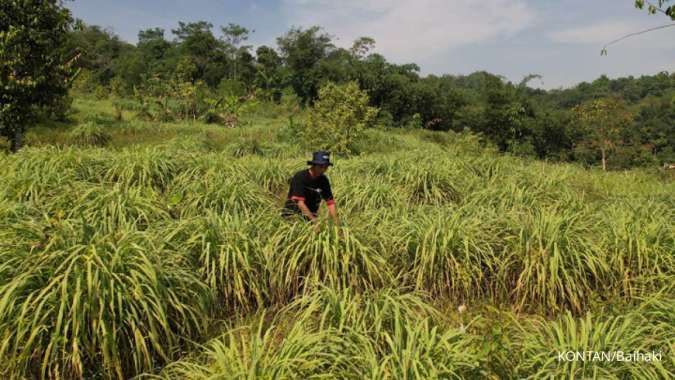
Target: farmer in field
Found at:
308, 187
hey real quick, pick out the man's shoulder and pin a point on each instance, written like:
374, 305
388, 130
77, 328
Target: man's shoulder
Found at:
301, 175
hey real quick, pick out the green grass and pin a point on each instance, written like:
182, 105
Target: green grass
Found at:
162, 252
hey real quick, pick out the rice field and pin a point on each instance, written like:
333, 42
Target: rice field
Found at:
167, 258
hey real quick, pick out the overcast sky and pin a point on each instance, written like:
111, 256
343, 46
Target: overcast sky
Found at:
558, 39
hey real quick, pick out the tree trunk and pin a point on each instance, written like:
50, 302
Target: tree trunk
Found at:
17, 139
604, 160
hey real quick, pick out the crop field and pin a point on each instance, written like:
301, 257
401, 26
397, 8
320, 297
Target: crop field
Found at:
157, 250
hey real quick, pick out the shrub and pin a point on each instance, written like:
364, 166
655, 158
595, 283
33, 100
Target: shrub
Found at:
339, 117
414, 122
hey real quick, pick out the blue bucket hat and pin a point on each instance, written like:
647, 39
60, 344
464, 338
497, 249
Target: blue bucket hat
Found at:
320, 158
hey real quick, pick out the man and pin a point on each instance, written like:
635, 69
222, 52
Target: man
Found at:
308, 187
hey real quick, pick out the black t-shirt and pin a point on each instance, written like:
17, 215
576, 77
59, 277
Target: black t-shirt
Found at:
309, 189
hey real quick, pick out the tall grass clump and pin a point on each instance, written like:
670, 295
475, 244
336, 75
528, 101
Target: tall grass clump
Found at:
227, 252
192, 192
454, 252
538, 343
371, 312
366, 194
90, 134
97, 305
109, 208
35, 175
301, 259
426, 184
266, 352
340, 334
420, 350
659, 310
554, 260
272, 175
394, 333
640, 243
142, 167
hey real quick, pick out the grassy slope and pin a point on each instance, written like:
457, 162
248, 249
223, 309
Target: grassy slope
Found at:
170, 236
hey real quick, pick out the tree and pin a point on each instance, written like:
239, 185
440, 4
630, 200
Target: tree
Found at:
269, 73
660, 6
604, 121
34, 71
506, 116
303, 50
362, 46
654, 131
99, 50
152, 44
234, 35
196, 40
339, 117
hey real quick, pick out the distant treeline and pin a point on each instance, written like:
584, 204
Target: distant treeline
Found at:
515, 117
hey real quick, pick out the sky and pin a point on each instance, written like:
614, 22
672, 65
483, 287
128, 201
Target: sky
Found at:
560, 40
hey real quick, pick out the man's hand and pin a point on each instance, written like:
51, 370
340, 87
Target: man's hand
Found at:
305, 210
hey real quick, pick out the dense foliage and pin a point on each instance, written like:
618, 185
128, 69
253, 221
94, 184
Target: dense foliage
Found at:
140, 237
519, 119
129, 247
34, 70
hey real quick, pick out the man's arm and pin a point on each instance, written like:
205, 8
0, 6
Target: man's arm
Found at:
305, 210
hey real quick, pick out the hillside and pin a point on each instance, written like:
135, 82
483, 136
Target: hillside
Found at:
161, 251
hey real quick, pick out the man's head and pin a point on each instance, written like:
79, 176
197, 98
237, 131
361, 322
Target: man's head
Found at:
319, 169
320, 162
